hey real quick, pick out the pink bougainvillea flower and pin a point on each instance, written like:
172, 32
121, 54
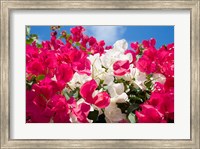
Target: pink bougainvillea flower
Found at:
164, 102
80, 63
150, 53
121, 67
149, 43
87, 90
35, 67
82, 67
101, 100
169, 84
55, 43
147, 63
166, 61
64, 73
43, 89
77, 33
92, 41
170, 46
133, 55
149, 114
135, 45
152, 42
78, 60
145, 43
96, 48
60, 108
101, 43
81, 112
162, 98
84, 41
49, 59
34, 112
38, 98
36, 115
54, 86
46, 45
157, 61
108, 47
31, 52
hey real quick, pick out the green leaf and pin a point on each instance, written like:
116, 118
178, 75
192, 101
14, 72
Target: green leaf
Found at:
135, 98
123, 106
132, 107
132, 118
101, 119
29, 41
84, 49
28, 29
138, 56
39, 45
34, 36
70, 41
88, 52
105, 88
149, 76
93, 115
61, 37
148, 84
147, 96
67, 36
76, 94
101, 82
28, 86
77, 44
66, 95
40, 77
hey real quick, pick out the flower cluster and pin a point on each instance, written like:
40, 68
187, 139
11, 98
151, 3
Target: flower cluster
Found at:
73, 78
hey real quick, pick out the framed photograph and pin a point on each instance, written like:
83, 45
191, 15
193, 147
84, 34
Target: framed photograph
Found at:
100, 74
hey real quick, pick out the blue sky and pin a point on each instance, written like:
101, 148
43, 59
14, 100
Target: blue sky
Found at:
110, 34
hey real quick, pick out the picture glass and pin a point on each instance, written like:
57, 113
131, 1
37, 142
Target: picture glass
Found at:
99, 74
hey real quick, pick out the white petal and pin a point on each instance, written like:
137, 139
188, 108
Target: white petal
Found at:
119, 88
121, 45
108, 79
120, 98
113, 114
157, 77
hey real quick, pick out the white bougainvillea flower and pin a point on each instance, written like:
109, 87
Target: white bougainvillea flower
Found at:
113, 114
129, 76
140, 78
115, 89
78, 80
120, 45
157, 77
119, 98
108, 79
116, 54
98, 72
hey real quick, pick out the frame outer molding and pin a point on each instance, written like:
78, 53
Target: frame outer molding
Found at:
4, 76
193, 6
195, 75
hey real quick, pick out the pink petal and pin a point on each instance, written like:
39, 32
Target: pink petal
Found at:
102, 100
121, 67
87, 90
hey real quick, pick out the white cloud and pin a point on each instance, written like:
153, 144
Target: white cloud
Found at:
109, 34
